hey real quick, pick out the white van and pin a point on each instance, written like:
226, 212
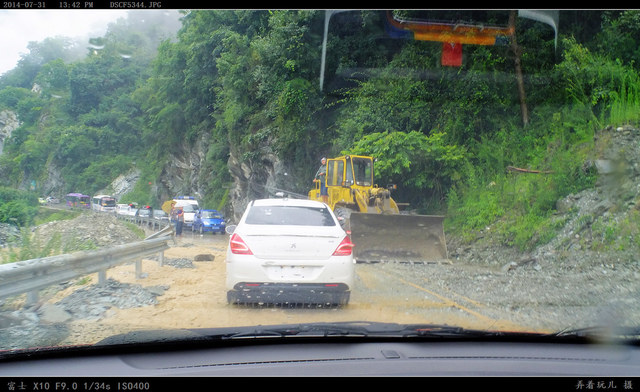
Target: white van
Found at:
189, 206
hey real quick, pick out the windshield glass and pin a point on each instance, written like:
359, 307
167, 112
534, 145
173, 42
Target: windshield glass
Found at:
187, 207
211, 215
483, 165
299, 216
363, 171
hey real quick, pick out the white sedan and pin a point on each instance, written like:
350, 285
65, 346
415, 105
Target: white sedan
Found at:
122, 209
289, 252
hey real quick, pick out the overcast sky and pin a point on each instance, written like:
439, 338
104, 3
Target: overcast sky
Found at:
19, 27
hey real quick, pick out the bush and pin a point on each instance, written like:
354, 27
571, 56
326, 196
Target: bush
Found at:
17, 207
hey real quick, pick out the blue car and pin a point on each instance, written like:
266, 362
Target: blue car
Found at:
209, 220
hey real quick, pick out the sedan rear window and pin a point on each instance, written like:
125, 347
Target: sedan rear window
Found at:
289, 215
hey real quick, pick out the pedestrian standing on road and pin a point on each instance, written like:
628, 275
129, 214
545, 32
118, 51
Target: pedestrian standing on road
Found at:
179, 221
173, 215
321, 175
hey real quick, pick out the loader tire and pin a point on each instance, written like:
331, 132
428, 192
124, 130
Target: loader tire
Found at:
344, 215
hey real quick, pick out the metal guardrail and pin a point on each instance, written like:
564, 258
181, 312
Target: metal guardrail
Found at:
144, 221
29, 276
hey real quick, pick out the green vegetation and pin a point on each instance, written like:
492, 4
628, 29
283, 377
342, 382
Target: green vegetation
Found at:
136, 229
45, 215
31, 247
246, 84
610, 233
17, 207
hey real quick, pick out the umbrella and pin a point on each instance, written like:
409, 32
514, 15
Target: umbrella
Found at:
167, 206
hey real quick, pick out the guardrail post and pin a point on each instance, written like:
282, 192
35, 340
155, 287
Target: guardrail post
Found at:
32, 297
102, 277
138, 269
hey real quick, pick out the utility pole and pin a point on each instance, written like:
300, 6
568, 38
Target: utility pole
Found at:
519, 78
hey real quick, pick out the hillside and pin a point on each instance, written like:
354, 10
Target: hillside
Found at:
597, 228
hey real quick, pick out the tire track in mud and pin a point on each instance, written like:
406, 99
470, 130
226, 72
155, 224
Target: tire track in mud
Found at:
437, 303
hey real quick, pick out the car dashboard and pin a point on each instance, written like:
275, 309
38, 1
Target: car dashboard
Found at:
549, 363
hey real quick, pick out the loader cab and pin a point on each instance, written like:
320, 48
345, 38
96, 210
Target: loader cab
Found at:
349, 171
349, 182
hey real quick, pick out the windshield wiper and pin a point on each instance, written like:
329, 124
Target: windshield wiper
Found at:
304, 330
323, 332
354, 329
372, 330
602, 333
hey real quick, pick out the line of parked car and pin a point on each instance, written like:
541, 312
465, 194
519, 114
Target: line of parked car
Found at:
144, 212
204, 220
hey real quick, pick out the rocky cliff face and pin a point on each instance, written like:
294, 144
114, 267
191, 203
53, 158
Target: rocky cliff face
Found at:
185, 174
252, 179
53, 183
8, 123
180, 175
123, 184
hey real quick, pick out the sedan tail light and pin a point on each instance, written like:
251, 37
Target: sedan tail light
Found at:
345, 247
238, 247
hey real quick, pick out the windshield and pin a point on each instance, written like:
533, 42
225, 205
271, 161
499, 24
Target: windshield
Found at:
279, 215
211, 215
187, 208
363, 171
482, 167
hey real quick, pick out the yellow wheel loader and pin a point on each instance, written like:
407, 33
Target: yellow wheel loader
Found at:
379, 231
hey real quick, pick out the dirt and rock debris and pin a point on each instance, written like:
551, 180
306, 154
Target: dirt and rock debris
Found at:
571, 278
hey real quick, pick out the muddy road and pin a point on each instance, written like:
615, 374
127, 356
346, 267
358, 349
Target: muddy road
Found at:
454, 294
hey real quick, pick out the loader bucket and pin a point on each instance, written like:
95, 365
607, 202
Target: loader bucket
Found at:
398, 238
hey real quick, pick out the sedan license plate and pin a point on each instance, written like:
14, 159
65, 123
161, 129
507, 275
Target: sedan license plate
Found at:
290, 272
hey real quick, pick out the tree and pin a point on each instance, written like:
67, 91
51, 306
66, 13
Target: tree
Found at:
419, 163
518, 70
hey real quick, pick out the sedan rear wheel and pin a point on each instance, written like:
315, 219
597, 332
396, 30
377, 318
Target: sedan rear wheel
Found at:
341, 299
232, 297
